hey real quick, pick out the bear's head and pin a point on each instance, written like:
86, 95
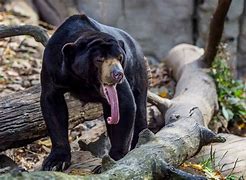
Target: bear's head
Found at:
97, 57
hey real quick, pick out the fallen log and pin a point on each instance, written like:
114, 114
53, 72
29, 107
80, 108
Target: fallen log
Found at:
21, 121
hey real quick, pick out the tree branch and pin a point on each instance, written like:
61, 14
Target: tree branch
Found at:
161, 103
216, 30
38, 33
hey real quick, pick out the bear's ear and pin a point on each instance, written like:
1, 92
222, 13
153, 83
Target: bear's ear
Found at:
68, 50
122, 45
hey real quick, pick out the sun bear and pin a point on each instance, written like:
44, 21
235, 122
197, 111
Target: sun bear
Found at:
95, 63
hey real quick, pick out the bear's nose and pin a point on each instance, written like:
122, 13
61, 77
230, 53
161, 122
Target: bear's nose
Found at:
117, 74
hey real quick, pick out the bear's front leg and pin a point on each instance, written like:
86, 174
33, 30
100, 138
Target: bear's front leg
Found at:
120, 134
55, 113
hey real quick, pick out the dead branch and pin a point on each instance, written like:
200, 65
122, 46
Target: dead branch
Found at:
38, 33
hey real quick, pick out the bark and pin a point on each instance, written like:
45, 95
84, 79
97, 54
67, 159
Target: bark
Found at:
21, 121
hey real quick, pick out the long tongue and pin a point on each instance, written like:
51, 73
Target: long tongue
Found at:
112, 97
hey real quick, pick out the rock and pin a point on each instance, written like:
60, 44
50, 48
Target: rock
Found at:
26, 84
83, 162
12, 73
8, 165
94, 139
98, 148
2, 86
5, 161
15, 87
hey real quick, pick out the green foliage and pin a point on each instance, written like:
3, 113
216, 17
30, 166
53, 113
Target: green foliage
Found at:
231, 92
213, 170
209, 163
232, 177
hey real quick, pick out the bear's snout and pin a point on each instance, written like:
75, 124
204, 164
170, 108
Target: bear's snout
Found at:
112, 72
117, 73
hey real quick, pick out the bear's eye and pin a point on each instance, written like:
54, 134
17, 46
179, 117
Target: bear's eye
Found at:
99, 60
120, 57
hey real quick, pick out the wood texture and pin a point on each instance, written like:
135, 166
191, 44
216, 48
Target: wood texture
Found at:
21, 121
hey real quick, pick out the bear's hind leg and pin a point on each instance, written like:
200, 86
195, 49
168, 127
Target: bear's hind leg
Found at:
141, 115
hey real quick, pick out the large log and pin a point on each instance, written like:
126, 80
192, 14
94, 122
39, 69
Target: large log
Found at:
21, 121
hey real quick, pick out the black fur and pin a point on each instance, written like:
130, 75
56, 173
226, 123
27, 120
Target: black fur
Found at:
74, 68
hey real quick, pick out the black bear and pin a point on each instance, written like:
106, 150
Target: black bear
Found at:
95, 63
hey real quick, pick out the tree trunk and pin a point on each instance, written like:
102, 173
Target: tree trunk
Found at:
21, 121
